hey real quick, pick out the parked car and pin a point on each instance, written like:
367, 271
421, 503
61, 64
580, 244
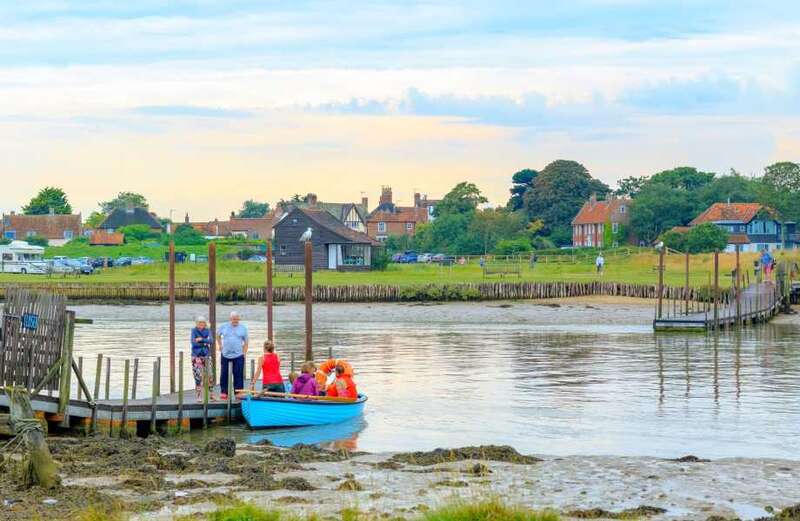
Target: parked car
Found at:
123, 261
61, 266
425, 257
257, 258
81, 266
438, 257
409, 257
138, 261
102, 262
397, 257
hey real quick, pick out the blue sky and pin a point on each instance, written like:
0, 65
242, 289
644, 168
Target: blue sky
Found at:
342, 97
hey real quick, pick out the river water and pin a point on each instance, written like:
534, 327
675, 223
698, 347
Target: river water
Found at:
577, 379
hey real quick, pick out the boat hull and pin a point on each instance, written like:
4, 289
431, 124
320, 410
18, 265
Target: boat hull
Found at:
264, 412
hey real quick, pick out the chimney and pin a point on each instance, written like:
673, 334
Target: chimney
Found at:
311, 199
233, 215
365, 203
186, 219
129, 207
417, 200
593, 199
386, 195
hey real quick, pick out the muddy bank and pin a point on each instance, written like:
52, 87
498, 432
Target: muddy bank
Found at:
160, 479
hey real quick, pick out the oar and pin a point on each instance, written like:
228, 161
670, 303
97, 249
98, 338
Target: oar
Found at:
300, 396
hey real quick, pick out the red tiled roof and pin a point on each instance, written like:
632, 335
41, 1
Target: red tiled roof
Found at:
104, 238
679, 229
738, 238
50, 226
401, 214
737, 212
597, 212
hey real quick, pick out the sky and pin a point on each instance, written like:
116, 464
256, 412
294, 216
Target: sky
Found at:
201, 105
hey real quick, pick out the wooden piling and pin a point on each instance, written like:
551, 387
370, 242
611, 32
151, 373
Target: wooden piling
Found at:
661, 281
716, 290
229, 391
269, 291
291, 366
738, 288
65, 385
135, 378
108, 377
686, 283
42, 470
252, 371
180, 391
98, 370
123, 428
308, 299
154, 397
172, 316
80, 375
212, 305
206, 372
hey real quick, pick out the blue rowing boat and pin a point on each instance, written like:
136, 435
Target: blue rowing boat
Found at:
277, 411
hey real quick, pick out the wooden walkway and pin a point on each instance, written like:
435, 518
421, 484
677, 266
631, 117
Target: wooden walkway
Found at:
759, 302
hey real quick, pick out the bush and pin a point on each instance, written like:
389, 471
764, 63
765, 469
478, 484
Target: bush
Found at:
37, 240
674, 240
138, 232
380, 259
77, 241
4, 241
185, 235
513, 246
706, 237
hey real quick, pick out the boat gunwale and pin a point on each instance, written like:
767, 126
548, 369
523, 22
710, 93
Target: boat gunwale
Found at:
362, 398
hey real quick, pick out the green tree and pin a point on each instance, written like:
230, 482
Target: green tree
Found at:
37, 240
733, 187
138, 232
464, 198
683, 177
783, 176
674, 239
492, 225
706, 237
253, 209
94, 220
658, 208
557, 195
122, 200
513, 246
521, 182
185, 235
779, 189
48, 198
629, 186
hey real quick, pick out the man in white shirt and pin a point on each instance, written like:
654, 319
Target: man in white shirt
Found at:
233, 337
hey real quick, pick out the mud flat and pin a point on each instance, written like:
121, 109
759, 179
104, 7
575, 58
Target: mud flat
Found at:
164, 478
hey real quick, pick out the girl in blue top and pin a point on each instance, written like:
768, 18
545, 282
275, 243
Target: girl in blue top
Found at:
201, 349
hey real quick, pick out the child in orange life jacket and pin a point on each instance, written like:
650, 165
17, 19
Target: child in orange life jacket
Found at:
343, 386
270, 365
326, 368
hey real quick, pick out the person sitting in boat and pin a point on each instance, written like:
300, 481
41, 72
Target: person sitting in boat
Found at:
343, 386
306, 383
326, 368
269, 364
201, 344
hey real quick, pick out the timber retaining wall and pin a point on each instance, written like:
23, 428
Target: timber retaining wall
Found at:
198, 292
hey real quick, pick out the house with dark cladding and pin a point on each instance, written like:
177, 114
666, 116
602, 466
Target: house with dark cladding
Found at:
751, 226
130, 215
352, 215
334, 245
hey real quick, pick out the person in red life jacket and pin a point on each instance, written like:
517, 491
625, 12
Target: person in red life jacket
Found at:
343, 386
326, 368
269, 364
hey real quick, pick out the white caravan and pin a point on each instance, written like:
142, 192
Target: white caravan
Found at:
21, 257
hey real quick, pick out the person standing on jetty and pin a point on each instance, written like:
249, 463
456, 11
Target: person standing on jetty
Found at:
201, 346
233, 338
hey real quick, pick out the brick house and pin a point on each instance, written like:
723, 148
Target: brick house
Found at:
59, 229
588, 226
389, 219
254, 228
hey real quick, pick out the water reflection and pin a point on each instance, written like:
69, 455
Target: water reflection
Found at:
337, 436
568, 380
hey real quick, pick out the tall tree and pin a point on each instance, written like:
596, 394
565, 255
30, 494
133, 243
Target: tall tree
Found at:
558, 193
122, 200
521, 182
779, 188
658, 208
252, 209
94, 220
734, 187
463, 198
683, 177
48, 198
629, 186
783, 176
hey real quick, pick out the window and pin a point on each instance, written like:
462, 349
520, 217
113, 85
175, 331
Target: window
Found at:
381, 227
30, 233
622, 208
8, 257
10, 234
254, 235
614, 227
409, 227
68, 234
283, 248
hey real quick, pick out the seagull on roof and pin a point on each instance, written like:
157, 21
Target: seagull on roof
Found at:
306, 235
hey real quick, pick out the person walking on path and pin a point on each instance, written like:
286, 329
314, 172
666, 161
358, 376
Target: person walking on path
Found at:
233, 338
201, 345
600, 263
766, 263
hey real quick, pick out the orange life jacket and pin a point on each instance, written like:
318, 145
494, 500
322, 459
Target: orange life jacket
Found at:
329, 366
343, 387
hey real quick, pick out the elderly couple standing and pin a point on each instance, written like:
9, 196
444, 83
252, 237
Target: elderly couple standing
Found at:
233, 337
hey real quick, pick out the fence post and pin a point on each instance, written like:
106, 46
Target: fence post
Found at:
171, 314
123, 428
97, 374
180, 391
154, 397
716, 290
135, 377
108, 376
66, 368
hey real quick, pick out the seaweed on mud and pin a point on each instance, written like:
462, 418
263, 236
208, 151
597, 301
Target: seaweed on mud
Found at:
502, 453
690, 459
791, 513
456, 483
350, 485
478, 470
221, 446
291, 500
629, 513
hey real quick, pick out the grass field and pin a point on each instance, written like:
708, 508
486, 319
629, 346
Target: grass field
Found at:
638, 269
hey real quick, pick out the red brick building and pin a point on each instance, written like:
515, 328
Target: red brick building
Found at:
255, 228
389, 219
588, 226
59, 229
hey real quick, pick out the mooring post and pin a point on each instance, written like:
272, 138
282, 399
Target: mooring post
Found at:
158, 382
230, 392
172, 316
738, 289
80, 375
716, 290
212, 305
135, 377
180, 391
123, 427
98, 371
308, 299
661, 281
205, 395
686, 283
291, 366
330, 352
154, 398
269, 290
252, 371
66, 368
108, 377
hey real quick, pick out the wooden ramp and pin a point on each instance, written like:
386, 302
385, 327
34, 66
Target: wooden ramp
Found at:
759, 302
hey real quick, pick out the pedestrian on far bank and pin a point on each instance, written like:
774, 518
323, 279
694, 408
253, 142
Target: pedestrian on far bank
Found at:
233, 338
600, 263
